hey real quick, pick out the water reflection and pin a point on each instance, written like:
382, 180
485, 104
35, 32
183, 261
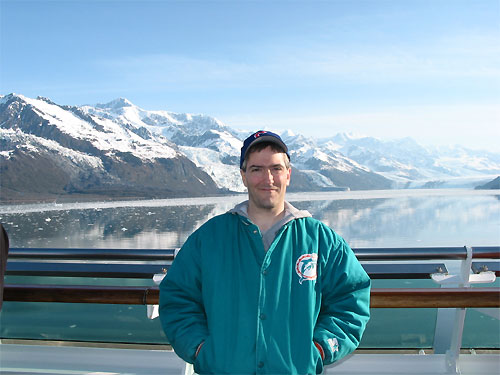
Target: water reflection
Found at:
441, 220
413, 221
123, 227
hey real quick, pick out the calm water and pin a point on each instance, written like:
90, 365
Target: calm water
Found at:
365, 219
405, 218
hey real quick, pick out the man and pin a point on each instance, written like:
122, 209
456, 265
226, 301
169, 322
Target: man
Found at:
264, 288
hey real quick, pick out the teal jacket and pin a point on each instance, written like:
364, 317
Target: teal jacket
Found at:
259, 311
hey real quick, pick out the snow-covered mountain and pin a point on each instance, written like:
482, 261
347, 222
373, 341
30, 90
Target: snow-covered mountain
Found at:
409, 164
208, 143
119, 149
327, 167
215, 148
48, 150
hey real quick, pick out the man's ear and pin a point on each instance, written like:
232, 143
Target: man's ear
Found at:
288, 177
243, 177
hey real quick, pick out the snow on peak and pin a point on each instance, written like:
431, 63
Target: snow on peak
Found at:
288, 133
124, 132
116, 104
5, 98
45, 99
348, 136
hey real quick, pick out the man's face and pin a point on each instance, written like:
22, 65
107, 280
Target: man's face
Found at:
266, 178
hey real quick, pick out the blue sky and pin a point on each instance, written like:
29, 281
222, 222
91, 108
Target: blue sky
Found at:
384, 68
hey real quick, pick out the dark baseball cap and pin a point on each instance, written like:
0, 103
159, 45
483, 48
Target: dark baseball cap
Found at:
258, 137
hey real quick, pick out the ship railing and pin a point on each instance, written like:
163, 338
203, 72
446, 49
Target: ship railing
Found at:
455, 269
380, 263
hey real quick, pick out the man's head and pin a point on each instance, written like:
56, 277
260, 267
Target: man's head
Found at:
260, 140
265, 171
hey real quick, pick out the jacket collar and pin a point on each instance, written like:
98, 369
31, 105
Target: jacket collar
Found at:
291, 212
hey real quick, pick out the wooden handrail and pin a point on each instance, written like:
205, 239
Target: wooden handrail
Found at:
128, 295
380, 297
434, 298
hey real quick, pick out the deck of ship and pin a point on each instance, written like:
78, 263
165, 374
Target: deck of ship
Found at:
23, 359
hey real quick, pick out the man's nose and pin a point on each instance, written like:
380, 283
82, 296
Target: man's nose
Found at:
268, 175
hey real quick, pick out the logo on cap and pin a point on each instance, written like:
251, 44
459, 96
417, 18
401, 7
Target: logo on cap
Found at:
259, 133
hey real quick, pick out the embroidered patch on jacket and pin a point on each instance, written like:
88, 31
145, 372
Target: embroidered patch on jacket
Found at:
306, 267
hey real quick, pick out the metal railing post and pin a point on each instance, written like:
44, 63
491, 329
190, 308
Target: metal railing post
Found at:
450, 321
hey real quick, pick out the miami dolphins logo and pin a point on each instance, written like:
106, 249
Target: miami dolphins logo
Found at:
306, 267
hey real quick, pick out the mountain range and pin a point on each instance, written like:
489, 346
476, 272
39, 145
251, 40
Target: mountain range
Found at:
118, 150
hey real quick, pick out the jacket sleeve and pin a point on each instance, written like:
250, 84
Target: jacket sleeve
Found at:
345, 305
182, 314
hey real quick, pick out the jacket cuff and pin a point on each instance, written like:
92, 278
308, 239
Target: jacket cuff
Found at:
320, 349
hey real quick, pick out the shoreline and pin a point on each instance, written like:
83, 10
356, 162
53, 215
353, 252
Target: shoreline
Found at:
101, 203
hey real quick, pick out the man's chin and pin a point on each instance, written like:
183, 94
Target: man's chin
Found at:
268, 204
267, 201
